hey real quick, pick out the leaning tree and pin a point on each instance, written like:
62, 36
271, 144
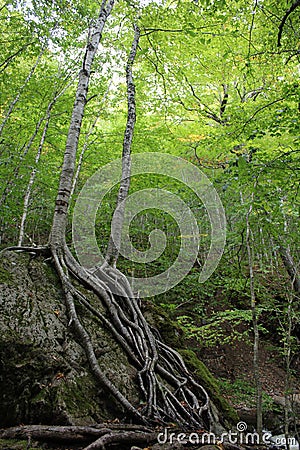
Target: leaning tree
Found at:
170, 392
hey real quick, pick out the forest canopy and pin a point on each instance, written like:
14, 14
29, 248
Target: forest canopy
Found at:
213, 82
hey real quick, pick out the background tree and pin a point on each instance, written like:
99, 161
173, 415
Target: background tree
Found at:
212, 85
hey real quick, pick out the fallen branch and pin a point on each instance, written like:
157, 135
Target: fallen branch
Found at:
94, 436
54, 433
44, 251
123, 437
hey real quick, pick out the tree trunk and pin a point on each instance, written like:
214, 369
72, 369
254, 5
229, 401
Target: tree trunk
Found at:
36, 162
57, 237
86, 143
291, 267
115, 237
16, 99
169, 392
254, 320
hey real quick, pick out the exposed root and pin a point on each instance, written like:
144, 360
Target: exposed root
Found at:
44, 251
84, 339
54, 433
109, 435
93, 437
123, 437
169, 392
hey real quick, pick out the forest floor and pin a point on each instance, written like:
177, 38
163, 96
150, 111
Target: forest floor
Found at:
232, 365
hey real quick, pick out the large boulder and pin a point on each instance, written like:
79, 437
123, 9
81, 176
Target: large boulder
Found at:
44, 374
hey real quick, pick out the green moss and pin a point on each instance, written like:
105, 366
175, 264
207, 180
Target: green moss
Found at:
14, 444
169, 330
51, 274
210, 383
76, 397
5, 276
82, 401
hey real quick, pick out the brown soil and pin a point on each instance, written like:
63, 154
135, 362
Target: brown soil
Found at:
235, 362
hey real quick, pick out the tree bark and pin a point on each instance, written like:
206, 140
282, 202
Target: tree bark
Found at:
115, 242
254, 319
295, 5
291, 267
36, 162
107, 432
85, 145
57, 237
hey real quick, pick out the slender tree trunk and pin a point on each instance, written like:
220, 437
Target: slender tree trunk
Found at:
14, 176
114, 243
36, 162
86, 143
287, 381
57, 237
31, 181
63, 259
285, 253
16, 99
249, 244
290, 266
4, 64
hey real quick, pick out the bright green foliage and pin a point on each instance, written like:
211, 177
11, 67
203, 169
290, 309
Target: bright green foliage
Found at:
212, 86
241, 392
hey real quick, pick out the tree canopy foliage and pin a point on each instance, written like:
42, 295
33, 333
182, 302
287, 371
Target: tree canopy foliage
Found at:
216, 83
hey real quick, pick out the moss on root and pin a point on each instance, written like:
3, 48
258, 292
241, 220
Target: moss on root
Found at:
209, 382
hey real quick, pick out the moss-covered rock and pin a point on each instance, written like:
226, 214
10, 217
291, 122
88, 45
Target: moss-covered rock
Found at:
168, 329
44, 375
5, 275
209, 382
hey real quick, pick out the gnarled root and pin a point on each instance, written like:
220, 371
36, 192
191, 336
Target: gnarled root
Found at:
171, 395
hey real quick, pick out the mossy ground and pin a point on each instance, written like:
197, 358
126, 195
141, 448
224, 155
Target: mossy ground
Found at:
209, 382
14, 444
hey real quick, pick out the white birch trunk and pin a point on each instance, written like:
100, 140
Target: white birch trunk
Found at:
86, 144
36, 162
249, 243
117, 223
30, 183
57, 235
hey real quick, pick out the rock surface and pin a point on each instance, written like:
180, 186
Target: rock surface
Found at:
44, 375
